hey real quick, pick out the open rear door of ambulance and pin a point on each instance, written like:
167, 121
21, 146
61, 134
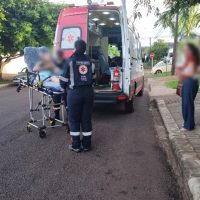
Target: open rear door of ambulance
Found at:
72, 25
125, 49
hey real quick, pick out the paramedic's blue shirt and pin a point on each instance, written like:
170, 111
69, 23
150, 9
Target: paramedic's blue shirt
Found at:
78, 71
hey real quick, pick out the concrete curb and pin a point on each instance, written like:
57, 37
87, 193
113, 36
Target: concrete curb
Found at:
5, 85
186, 157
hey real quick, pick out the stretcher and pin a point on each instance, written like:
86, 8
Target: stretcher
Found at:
44, 104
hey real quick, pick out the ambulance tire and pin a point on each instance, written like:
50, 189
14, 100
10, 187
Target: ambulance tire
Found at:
129, 107
141, 92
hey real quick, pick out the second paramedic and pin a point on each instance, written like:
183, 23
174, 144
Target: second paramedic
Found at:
78, 78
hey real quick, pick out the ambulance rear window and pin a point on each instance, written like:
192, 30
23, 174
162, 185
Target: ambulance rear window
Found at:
69, 36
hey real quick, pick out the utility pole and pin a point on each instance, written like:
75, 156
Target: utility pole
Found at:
150, 43
175, 43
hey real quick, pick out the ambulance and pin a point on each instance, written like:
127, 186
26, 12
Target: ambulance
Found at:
118, 78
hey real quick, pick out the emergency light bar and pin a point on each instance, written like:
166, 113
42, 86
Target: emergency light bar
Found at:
110, 3
100, 2
71, 5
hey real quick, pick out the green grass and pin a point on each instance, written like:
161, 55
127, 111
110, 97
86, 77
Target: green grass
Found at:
4, 81
172, 84
164, 74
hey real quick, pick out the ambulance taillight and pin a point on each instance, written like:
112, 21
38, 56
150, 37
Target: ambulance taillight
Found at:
116, 79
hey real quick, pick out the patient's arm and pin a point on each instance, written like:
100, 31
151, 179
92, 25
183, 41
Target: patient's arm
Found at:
43, 66
55, 79
37, 67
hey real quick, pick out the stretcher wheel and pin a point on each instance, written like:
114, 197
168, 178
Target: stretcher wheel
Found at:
42, 133
28, 127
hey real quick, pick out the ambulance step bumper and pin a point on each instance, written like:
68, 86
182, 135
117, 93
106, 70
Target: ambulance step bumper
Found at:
106, 97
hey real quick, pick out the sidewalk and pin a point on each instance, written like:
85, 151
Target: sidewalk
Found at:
185, 145
157, 88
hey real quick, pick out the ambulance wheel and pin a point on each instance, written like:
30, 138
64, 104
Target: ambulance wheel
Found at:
42, 133
129, 107
140, 93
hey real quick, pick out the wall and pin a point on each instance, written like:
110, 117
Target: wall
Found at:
12, 68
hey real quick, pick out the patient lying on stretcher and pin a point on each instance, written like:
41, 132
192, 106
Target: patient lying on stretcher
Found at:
48, 71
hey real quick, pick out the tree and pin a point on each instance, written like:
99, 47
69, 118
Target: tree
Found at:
26, 23
148, 4
188, 20
175, 42
182, 17
160, 49
182, 4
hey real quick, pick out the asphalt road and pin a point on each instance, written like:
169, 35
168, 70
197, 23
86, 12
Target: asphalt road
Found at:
125, 164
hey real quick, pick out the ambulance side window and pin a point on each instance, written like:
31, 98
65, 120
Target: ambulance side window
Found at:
133, 45
139, 50
69, 36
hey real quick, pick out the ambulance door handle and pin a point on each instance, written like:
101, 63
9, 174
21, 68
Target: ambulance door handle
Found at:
134, 58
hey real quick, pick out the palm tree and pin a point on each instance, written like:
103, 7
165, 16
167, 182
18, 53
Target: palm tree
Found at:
188, 20
182, 23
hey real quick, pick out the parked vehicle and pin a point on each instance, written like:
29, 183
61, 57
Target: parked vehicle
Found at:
21, 75
116, 80
162, 67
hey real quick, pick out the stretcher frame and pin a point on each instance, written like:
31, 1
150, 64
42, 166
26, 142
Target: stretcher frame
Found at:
45, 104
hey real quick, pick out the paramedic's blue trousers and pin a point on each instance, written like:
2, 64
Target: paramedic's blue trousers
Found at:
80, 105
190, 89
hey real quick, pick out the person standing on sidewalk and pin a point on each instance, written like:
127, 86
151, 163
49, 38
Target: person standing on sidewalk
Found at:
79, 80
188, 75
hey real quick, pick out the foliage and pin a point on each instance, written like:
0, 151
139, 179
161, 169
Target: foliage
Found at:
113, 51
164, 74
160, 49
180, 4
4, 82
146, 50
179, 17
26, 23
189, 19
172, 84
148, 4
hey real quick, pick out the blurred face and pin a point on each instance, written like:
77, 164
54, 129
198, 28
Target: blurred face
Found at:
60, 56
47, 57
187, 52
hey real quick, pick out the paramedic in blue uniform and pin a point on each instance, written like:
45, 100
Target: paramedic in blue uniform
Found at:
77, 77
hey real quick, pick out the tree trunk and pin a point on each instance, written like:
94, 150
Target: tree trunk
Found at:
1, 68
175, 43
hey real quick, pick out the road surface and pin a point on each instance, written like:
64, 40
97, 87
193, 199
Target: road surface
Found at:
125, 164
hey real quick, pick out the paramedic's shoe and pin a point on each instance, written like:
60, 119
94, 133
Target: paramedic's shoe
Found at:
87, 149
86, 143
74, 149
